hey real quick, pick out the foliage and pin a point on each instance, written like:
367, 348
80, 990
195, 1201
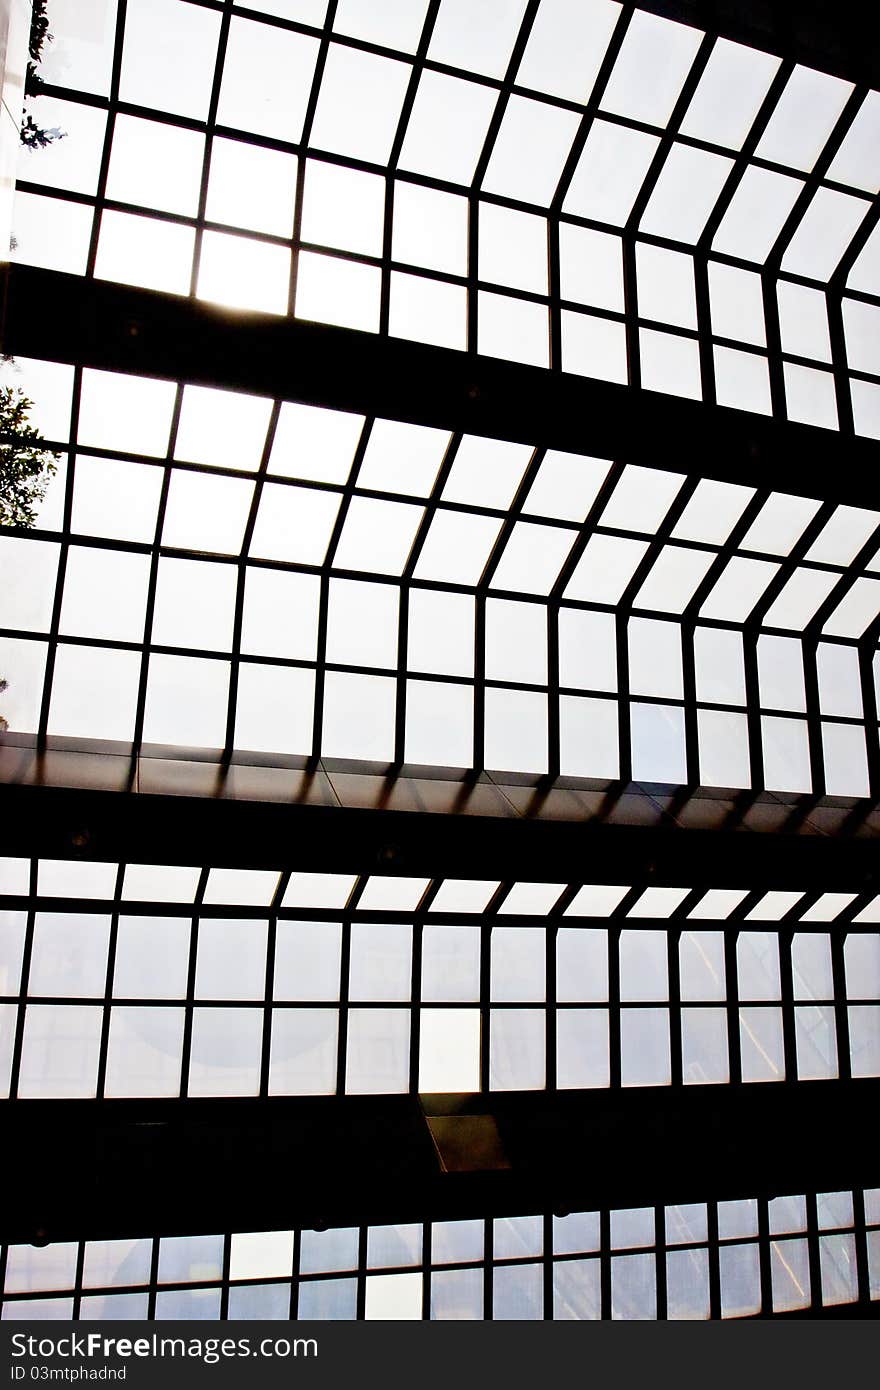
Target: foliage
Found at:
33, 137
26, 465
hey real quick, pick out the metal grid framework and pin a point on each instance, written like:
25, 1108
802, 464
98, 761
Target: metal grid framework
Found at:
280, 579
420, 175
150, 981
271, 583
727, 1259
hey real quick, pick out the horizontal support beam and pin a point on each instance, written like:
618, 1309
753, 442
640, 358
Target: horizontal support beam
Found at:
130, 1168
116, 328
64, 823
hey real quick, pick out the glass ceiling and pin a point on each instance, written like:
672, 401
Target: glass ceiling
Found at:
222, 571
135, 980
579, 185
718, 1259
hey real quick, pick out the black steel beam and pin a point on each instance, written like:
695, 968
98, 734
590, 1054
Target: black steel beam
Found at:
131, 827
92, 323
130, 1168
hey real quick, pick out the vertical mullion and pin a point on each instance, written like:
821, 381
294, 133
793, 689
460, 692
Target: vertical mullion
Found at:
241, 580
673, 940
714, 1255
764, 1259
605, 1263
27, 952
293, 1309
614, 1032
189, 1003
63, 550
813, 1252
660, 1263
108, 984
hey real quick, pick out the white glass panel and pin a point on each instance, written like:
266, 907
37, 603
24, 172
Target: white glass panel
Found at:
128, 413
441, 632
155, 166
516, 641
395, 24
378, 1051
447, 126
591, 267
343, 208
457, 547
780, 523
824, 233
804, 117
518, 964
588, 738
587, 649
266, 79
359, 104
704, 1058
644, 1047
280, 616
59, 1054
428, 311
701, 961
377, 535
685, 193
186, 701
658, 744
430, 228
251, 187
594, 347
94, 693
144, 251
567, 43
451, 964
294, 524
530, 151
610, 172
362, 623
121, 581
856, 161
653, 63
302, 1060
152, 958
729, 94
144, 1052
477, 35
244, 274
449, 1050
737, 303
206, 513
358, 717
756, 214
195, 604
168, 57
761, 1047
226, 1052
516, 731
517, 1050
231, 959
381, 956
307, 960
439, 724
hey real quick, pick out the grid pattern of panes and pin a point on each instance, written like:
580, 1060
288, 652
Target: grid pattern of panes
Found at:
725, 1259
575, 184
281, 579
150, 981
